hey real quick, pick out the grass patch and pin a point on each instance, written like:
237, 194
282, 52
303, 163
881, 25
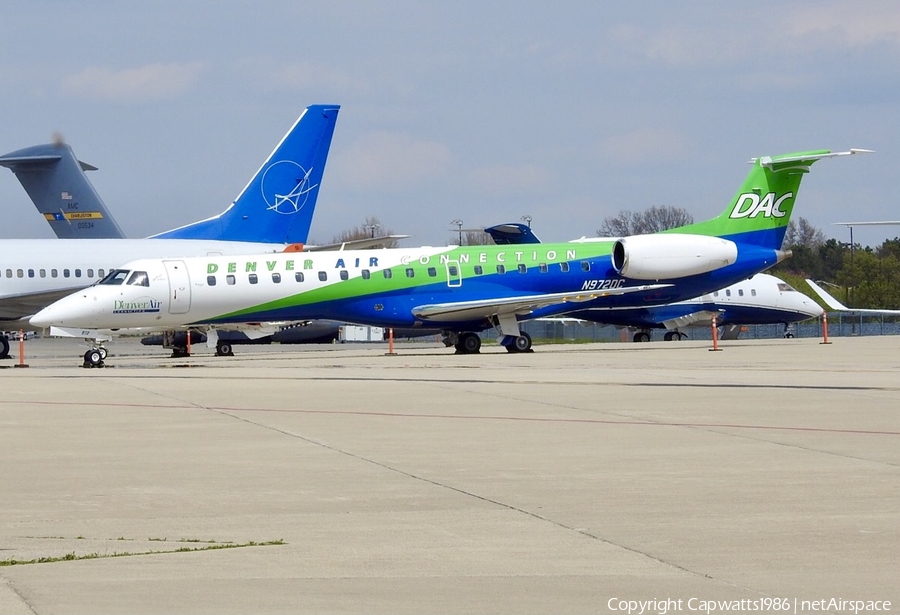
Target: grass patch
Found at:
210, 546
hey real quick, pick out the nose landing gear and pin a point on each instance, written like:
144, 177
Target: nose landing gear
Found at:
95, 357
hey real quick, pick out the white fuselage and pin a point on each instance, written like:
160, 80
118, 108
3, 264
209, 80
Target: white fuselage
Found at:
36, 272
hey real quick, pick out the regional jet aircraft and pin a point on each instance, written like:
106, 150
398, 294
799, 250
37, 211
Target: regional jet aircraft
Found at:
461, 290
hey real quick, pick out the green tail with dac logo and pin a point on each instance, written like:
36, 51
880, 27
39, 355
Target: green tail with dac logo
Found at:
760, 211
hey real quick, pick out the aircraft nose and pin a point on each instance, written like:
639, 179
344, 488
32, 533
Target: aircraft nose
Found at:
813, 308
68, 311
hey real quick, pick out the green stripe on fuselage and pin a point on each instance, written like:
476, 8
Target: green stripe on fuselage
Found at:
467, 258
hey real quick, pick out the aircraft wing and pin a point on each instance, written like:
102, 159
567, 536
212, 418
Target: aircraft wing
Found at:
836, 306
358, 244
487, 308
690, 319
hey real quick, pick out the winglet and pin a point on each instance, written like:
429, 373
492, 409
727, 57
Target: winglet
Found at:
830, 301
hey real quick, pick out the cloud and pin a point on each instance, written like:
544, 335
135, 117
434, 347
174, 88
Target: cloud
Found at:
390, 161
642, 145
522, 179
850, 24
151, 82
727, 36
306, 75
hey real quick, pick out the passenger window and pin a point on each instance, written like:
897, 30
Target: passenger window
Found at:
139, 278
453, 270
543, 268
716, 294
253, 278
387, 274
21, 274
410, 272
585, 265
43, 273
276, 277
479, 269
66, 273
501, 268
53, 273
740, 292
78, 273
366, 274
753, 292
230, 279
31, 273
298, 276
99, 273
9, 273
210, 280
345, 275
432, 272
522, 268
727, 292
90, 273
323, 276
564, 267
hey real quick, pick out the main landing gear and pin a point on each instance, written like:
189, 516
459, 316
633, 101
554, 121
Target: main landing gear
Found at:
519, 343
469, 342
671, 336
465, 343
224, 349
4, 347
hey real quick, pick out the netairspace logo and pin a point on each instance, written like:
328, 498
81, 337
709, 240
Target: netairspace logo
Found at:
768, 605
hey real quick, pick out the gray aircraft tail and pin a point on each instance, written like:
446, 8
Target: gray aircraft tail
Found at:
54, 179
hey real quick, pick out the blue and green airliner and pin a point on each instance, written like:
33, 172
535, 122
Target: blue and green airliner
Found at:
459, 290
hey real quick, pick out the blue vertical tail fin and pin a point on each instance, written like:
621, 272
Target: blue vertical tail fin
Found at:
277, 205
55, 181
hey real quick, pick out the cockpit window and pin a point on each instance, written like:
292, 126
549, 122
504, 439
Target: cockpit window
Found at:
785, 288
139, 278
115, 277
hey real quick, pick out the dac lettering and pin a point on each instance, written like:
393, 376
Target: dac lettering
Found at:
750, 205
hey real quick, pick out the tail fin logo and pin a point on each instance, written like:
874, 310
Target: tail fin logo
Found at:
285, 187
750, 205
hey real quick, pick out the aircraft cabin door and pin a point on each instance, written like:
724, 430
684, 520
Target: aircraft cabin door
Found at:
454, 275
179, 287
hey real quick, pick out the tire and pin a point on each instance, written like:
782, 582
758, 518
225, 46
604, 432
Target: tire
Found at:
469, 343
223, 349
641, 336
103, 353
522, 343
93, 358
4, 348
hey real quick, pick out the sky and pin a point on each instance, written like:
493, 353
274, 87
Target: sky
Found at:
479, 111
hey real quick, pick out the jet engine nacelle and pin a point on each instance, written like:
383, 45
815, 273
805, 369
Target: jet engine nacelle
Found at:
663, 256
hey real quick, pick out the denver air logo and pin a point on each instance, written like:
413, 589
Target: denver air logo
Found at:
750, 205
285, 187
141, 305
